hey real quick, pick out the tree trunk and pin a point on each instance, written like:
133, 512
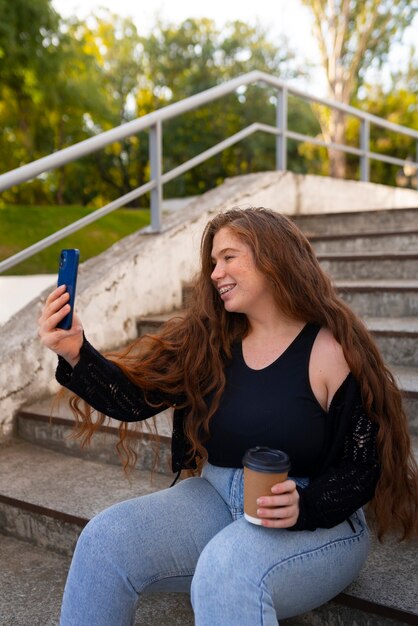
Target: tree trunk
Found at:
337, 159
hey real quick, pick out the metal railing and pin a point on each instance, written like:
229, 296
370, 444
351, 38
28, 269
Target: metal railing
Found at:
154, 122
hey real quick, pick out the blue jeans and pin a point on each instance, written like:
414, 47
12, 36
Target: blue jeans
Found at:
193, 536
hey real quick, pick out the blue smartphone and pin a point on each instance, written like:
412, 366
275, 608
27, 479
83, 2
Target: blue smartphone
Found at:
67, 275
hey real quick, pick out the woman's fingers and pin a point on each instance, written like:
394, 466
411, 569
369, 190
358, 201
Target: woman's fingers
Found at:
57, 292
52, 305
48, 327
281, 517
50, 322
285, 495
277, 513
54, 295
277, 501
66, 343
287, 522
282, 510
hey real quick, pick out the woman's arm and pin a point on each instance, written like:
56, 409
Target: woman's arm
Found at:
104, 386
87, 373
350, 472
349, 482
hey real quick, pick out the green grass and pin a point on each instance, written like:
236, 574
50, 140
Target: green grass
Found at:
22, 226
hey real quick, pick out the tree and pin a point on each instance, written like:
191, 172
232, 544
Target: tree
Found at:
90, 76
25, 26
114, 43
49, 86
99, 73
183, 59
353, 35
396, 102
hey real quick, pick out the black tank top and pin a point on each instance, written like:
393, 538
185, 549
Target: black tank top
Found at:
274, 406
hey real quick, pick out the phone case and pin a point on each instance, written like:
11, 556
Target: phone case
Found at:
67, 275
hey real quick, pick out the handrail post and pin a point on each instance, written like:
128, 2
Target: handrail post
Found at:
155, 157
281, 123
416, 163
365, 148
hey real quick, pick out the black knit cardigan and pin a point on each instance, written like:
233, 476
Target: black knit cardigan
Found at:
348, 472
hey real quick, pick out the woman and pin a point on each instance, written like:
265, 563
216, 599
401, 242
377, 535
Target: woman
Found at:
267, 354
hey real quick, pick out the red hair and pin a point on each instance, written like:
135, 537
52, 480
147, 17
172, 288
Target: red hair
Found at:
188, 355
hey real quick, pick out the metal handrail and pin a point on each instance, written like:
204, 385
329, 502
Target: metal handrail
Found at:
154, 121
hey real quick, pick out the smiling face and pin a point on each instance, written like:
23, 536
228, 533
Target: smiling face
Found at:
241, 286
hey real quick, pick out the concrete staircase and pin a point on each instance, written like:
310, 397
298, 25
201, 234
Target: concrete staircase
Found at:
381, 284
49, 488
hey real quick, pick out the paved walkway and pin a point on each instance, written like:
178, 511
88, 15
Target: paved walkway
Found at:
17, 291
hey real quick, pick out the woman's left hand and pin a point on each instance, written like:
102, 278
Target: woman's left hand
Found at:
280, 510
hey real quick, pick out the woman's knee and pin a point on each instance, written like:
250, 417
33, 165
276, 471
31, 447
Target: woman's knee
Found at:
108, 536
218, 569
97, 538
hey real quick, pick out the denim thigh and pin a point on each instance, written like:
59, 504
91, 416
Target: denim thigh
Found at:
196, 531
264, 574
149, 543
288, 573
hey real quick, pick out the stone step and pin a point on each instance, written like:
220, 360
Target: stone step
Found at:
380, 298
50, 514
397, 339
32, 582
358, 221
47, 497
357, 266
366, 242
151, 323
407, 378
51, 425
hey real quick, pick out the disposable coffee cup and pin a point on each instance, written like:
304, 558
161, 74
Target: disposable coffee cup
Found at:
263, 468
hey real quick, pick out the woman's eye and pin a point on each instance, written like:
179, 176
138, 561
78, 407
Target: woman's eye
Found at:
228, 257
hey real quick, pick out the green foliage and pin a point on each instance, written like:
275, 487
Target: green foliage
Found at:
399, 106
28, 28
185, 59
28, 42
64, 81
49, 111
397, 103
100, 73
21, 226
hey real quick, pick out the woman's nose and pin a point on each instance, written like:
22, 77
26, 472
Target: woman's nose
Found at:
218, 272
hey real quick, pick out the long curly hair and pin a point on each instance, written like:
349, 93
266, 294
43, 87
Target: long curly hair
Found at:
187, 357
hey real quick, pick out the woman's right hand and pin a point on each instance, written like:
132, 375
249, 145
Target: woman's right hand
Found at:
66, 343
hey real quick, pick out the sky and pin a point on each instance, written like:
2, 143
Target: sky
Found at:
288, 17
